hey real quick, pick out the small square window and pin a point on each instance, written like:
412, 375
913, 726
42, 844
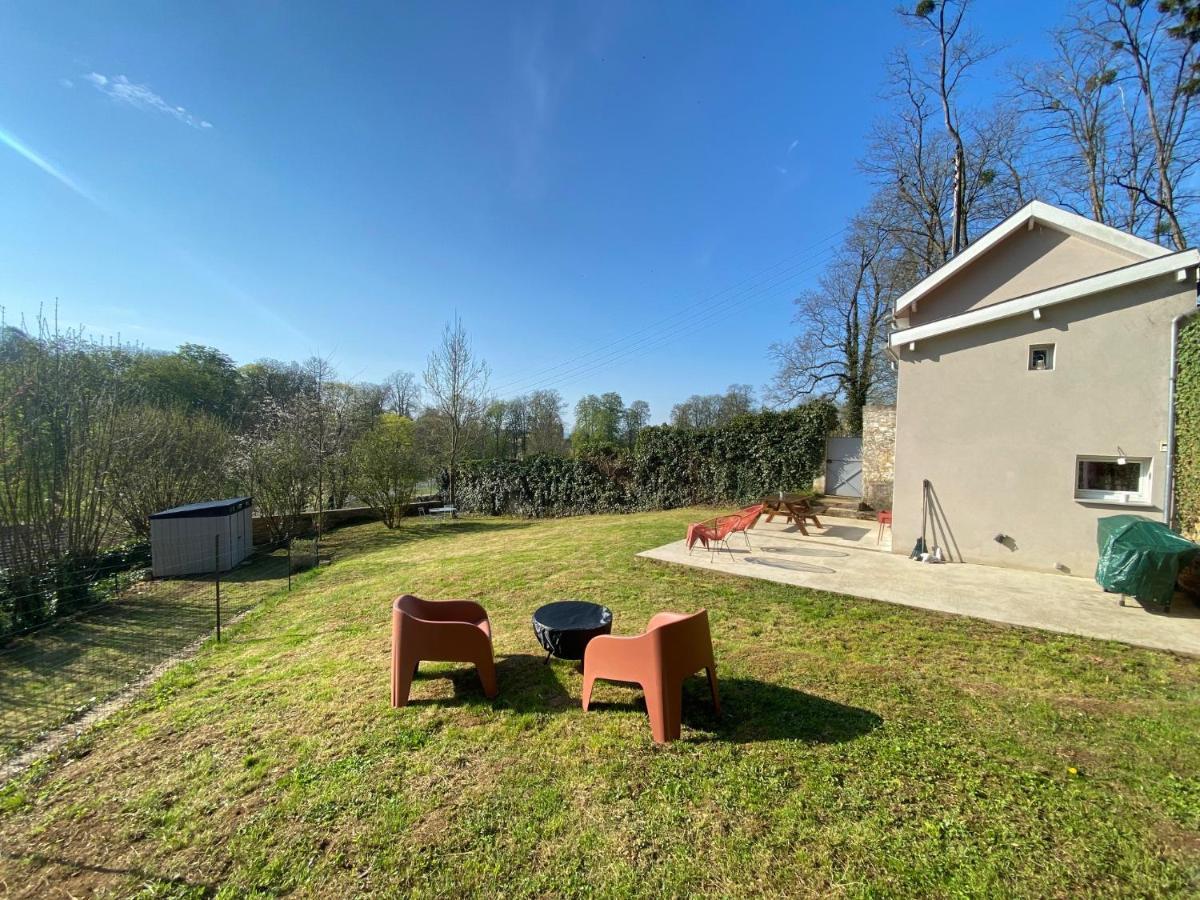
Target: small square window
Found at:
1041, 357
1112, 479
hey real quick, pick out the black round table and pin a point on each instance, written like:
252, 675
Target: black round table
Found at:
564, 627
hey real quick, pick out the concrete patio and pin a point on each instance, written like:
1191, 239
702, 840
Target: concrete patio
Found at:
843, 557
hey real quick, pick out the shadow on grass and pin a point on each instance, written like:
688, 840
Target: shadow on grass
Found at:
260, 567
752, 710
526, 685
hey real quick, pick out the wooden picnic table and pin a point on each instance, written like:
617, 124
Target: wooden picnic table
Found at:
794, 508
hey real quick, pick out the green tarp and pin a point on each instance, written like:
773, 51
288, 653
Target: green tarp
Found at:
1140, 558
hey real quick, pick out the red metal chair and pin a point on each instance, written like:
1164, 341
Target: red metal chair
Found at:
712, 534
715, 533
884, 518
439, 631
674, 646
747, 519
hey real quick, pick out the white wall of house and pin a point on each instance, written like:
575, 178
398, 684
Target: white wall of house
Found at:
1026, 262
999, 442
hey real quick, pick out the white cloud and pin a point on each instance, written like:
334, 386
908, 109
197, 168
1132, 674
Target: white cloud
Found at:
66, 82
142, 97
793, 145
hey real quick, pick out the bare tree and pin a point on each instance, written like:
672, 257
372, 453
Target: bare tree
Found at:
516, 426
913, 163
1159, 68
1113, 109
1185, 28
956, 51
315, 415
636, 417
403, 394
275, 462
713, 410
1072, 97
349, 411
456, 381
544, 423
840, 350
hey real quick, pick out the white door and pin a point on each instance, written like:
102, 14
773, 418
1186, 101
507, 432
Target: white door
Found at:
843, 467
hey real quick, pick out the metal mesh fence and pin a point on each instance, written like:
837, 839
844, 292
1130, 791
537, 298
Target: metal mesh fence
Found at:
55, 673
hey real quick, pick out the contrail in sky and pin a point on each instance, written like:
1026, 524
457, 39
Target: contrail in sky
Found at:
275, 319
10, 141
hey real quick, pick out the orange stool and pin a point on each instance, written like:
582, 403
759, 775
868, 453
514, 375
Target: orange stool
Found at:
884, 518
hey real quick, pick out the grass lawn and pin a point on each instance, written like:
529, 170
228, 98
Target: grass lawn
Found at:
51, 675
865, 749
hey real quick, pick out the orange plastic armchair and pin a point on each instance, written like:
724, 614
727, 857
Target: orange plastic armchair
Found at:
673, 647
439, 631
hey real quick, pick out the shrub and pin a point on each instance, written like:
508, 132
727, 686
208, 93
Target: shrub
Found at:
755, 454
1187, 431
67, 586
385, 467
546, 486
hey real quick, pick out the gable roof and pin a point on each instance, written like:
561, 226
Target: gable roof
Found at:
1181, 263
1043, 214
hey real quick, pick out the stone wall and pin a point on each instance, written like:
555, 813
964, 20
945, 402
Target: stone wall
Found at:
878, 455
335, 518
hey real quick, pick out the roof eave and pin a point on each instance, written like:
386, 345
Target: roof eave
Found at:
1063, 293
1035, 211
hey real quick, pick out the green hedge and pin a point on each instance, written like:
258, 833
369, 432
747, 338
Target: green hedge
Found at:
670, 467
1187, 431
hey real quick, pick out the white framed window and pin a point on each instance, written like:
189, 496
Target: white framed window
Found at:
1041, 357
1112, 479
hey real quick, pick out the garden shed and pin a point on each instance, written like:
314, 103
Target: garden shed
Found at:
201, 537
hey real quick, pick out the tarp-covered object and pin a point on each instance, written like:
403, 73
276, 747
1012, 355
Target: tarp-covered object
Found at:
1140, 558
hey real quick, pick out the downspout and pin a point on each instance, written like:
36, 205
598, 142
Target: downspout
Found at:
1169, 501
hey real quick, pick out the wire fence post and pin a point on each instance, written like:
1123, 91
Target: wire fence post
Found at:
289, 565
217, 573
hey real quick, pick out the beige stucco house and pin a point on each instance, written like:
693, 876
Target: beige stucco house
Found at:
1035, 390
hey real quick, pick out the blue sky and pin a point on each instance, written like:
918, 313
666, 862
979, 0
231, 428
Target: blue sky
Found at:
578, 181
